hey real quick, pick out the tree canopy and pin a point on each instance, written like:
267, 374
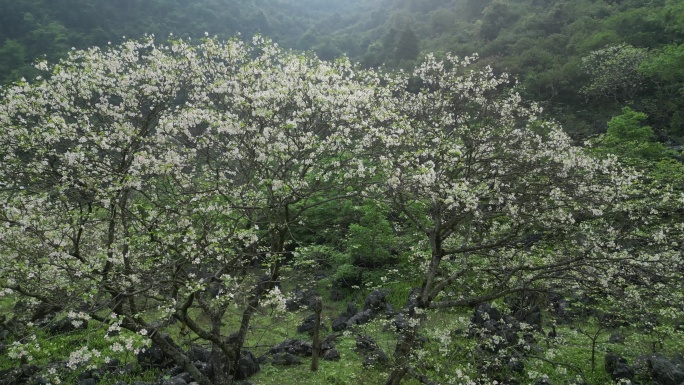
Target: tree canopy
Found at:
154, 181
502, 180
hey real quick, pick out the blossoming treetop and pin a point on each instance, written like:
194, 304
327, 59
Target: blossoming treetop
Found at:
147, 182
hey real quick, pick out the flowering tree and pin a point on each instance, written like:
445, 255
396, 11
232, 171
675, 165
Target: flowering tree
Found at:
282, 135
72, 151
151, 182
505, 202
150, 178
614, 72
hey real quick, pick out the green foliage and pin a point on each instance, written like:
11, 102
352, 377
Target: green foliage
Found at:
628, 138
406, 45
673, 14
443, 21
497, 16
346, 275
665, 68
327, 224
12, 60
667, 65
635, 144
370, 242
12, 54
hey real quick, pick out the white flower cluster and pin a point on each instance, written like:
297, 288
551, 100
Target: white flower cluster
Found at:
77, 319
81, 356
276, 299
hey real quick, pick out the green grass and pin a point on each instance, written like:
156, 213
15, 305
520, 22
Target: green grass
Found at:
49, 349
348, 371
565, 359
559, 362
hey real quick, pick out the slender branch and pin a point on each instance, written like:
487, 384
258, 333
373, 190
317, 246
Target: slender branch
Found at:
472, 302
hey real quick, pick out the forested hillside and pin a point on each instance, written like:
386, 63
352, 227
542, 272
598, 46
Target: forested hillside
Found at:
549, 46
342, 192
554, 48
31, 29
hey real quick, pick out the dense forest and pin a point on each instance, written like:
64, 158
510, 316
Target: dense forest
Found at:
413, 192
555, 49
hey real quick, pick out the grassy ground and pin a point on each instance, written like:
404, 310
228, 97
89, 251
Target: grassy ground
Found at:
564, 358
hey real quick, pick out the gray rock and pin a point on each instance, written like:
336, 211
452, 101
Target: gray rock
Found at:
665, 372
199, 353
375, 358
331, 355
247, 365
185, 376
340, 323
376, 301
292, 346
483, 313
372, 354
308, 325
175, 381
360, 318
285, 359
155, 358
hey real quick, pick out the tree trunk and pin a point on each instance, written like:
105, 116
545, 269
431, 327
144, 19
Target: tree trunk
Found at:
219, 362
396, 376
317, 335
264, 285
407, 340
402, 352
218, 365
180, 359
